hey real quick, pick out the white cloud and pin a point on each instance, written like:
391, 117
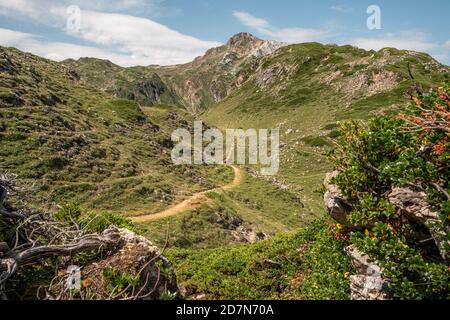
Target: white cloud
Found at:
290, 35
403, 40
60, 51
447, 44
137, 35
124, 39
55, 50
23, 7
341, 8
33, 7
250, 21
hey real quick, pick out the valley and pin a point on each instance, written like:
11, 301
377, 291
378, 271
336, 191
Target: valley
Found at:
97, 136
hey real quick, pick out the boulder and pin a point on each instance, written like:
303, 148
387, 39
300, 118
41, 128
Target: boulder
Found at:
336, 203
414, 205
368, 288
368, 283
136, 257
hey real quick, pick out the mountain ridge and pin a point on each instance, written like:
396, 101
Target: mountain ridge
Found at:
207, 79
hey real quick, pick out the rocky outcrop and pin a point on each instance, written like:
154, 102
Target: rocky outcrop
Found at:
370, 83
147, 92
414, 205
267, 48
239, 230
244, 43
275, 73
138, 258
338, 206
368, 282
7, 65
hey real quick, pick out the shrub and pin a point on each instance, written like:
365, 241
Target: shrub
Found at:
68, 213
120, 282
410, 150
92, 222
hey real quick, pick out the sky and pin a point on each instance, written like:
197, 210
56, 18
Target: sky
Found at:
166, 32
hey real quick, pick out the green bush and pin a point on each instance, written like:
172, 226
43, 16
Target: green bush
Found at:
68, 213
409, 150
92, 222
307, 264
120, 282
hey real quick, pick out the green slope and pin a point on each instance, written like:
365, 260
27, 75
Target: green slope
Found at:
79, 144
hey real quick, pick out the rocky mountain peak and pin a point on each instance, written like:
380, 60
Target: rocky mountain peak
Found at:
246, 44
243, 40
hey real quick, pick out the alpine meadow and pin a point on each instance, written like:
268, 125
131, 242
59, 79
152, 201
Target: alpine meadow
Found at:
310, 170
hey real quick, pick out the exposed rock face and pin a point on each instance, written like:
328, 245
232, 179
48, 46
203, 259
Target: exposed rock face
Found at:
368, 288
148, 92
333, 76
371, 83
267, 48
244, 43
415, 207
7, 65
337, 205
138, 257
220, 71
413, 204
368, 283
240, 231
270, 75
275, 73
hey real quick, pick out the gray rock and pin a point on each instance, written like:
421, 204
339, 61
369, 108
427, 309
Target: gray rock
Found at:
368, 283
368, 288
336, 203
414, 205
138, 257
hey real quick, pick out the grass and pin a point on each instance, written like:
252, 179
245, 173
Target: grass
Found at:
259, 204
114, 154
305, 264
89, 148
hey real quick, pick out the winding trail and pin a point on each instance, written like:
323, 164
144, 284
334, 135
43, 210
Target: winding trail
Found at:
192, 203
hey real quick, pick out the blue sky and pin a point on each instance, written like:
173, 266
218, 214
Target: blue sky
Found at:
143, 32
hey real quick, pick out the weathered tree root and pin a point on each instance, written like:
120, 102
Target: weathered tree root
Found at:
14, 259
38, 236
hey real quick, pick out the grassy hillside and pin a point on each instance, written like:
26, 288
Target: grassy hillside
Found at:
79, 144
195, 86
306, 89
305, 264
96, 134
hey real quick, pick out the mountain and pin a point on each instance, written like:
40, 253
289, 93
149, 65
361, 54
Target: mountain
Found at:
306, 89
89, 136
89, 129
80, 144
195, 85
